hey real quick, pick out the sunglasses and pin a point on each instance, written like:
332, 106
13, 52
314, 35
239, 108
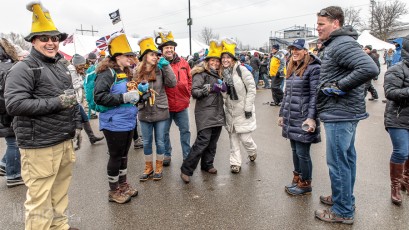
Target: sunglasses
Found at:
324, 13
45, 38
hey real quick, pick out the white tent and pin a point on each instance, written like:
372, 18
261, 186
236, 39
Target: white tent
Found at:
367, 39
85, 44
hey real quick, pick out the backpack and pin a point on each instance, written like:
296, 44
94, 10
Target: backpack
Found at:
89, 85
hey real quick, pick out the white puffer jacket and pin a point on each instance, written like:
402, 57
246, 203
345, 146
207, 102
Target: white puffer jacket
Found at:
234, 109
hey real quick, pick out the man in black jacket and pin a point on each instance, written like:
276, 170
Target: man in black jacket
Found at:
340, 105
368, 85
39, 93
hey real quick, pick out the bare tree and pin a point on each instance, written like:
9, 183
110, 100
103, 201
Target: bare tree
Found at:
17, 39
353, 17
207, 34
385, 17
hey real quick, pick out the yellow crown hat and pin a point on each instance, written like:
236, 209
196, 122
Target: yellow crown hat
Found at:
166, 38
146, 44
118, 44
229, 47
215, 49
42, 23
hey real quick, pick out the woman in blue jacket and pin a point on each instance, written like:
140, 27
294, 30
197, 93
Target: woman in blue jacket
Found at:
298, 115
118, 117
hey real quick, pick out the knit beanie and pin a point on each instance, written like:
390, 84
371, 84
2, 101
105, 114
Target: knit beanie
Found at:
78, 60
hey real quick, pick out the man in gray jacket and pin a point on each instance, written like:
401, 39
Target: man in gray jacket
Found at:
340, 105
46, 119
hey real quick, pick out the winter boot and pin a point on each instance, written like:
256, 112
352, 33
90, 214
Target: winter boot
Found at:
128, 190
147, 172
303, 187
396, 174
405, 179
167, 160
296, 178
90, 133
158, 171
118, 196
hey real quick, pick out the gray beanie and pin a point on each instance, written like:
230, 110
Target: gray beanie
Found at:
78, 60
92, 56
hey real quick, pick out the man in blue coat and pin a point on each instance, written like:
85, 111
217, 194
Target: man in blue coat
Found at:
340, 105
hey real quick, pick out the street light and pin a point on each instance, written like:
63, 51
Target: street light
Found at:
189, 23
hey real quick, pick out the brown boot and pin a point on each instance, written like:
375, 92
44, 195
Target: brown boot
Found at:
158, 172
118, 196
296, 178
147, 172
303, 187
405, 179
396, 174
128, 190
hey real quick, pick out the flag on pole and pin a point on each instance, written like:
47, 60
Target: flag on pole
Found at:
68, 40
115, 17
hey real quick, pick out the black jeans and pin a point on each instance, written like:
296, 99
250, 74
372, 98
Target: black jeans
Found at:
204, 148
118, 147
369, 87
276, 88
302, 159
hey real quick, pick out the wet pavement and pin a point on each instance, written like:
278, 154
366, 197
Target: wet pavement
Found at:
253, 199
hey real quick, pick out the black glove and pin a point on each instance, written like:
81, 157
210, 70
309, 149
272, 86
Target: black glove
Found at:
205, 91
248, 114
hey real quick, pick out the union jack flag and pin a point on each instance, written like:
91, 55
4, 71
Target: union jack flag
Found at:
102, 42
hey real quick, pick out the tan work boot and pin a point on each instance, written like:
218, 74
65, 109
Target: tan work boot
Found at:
118, 196
147, 172
128, 190
158, 171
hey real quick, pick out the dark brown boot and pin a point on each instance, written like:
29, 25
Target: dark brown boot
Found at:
296, 178
90, 133
405, 179
396, 174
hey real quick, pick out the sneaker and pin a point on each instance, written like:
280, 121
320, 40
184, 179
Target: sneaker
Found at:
166, 161
235, 168
185, 178
211, 171
253, 158
138, 143
384, 101
15, 182
2, 171
118, 196
328, 216
373, 99
94, 116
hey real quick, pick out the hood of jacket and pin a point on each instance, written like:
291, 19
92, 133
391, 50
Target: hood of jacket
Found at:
343, 31
405, 49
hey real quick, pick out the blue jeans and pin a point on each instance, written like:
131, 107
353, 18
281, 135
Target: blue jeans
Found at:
400, 142
256, 77
302, 159
11, 159
341, 161
182, 121
148, 129
84, 115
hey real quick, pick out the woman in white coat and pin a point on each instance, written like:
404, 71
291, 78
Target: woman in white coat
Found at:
238, 106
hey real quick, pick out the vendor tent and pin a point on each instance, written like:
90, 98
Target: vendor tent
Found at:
84, 44
368, 39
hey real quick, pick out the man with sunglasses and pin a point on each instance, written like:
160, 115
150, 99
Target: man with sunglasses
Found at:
340, 105
39, 93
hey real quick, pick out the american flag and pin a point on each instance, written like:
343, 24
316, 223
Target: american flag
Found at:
68, 40
102, 42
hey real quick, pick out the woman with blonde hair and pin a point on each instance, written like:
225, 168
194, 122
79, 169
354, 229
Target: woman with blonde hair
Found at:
388, 58
152, 75
298, 114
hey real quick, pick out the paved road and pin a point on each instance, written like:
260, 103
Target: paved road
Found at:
253, 199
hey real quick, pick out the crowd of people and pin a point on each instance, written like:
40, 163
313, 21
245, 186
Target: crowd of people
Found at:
45, 97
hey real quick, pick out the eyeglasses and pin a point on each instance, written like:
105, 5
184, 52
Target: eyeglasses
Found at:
324, 13
45, 38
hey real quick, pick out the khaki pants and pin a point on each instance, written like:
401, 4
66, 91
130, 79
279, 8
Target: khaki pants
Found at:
248, 143
47, 173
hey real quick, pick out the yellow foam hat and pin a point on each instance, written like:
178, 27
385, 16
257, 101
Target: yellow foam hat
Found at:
229, 47
146, 44
118, 44
42, 23
215, 49
166, 38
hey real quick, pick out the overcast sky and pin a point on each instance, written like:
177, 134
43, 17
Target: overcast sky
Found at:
251, 21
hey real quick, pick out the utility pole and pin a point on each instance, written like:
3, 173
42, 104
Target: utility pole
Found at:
372, 6
189, 23
92, 30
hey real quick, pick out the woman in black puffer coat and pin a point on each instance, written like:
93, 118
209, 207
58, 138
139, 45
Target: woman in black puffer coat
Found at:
299, 109
396, 87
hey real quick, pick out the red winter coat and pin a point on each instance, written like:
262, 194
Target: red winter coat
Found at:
179, 96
